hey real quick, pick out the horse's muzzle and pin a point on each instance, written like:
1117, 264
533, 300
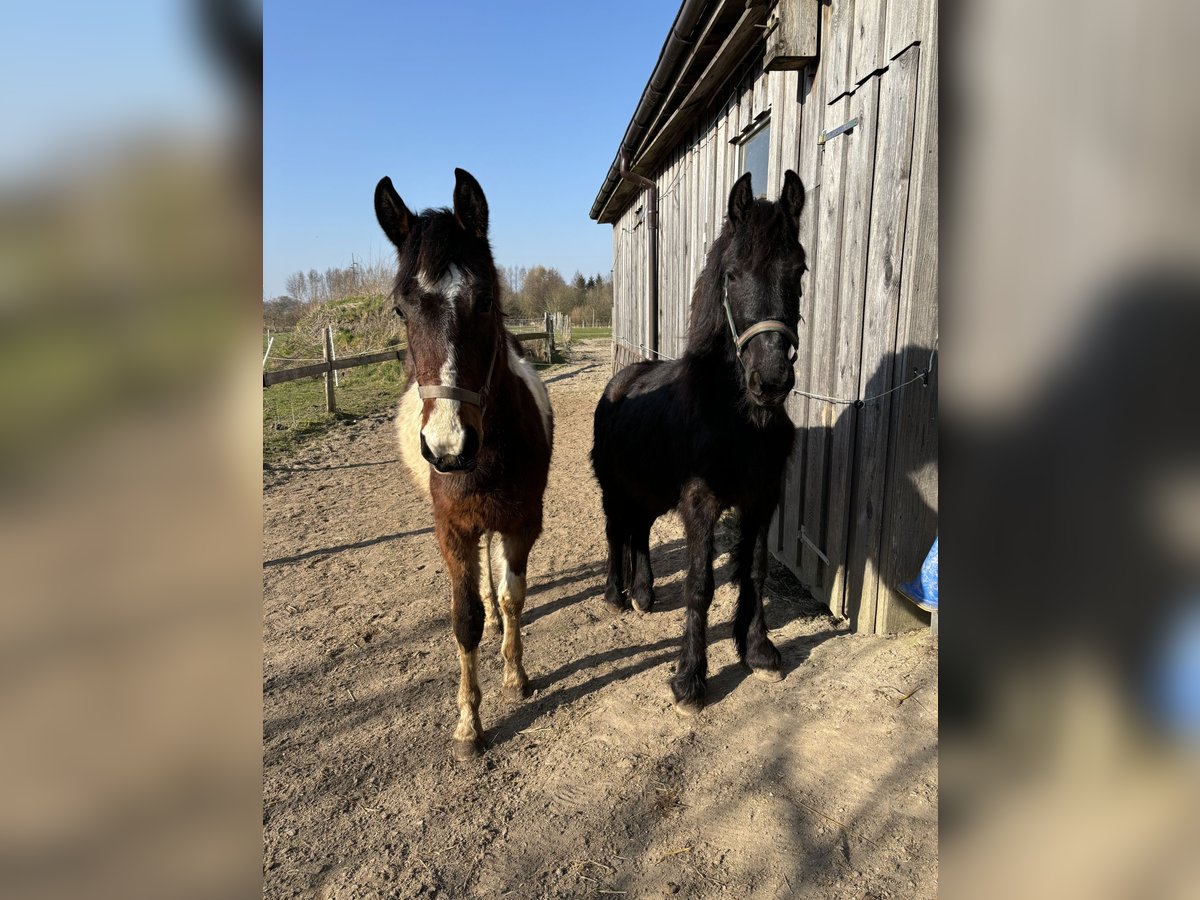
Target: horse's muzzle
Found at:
461, 462
769, 394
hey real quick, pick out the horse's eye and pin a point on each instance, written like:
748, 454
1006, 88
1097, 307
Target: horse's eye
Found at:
484, 302
400, 313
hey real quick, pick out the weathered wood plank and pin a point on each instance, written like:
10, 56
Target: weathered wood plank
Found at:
911, 504
868, 53
822, 168
762, 87
889, 208
906, 21
837, 25
346, 362
856, 212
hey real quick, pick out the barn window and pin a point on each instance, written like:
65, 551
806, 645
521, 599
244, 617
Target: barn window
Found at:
754, 156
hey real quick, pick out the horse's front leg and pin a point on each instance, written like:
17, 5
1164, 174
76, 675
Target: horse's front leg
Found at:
515, 557
487, 585
461, 552
754, 648
700, 509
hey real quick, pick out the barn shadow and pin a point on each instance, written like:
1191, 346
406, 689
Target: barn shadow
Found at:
842, 447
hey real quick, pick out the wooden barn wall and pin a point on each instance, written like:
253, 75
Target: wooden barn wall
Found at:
859, 504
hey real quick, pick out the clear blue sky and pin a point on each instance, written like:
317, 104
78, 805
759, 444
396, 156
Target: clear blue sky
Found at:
531, 98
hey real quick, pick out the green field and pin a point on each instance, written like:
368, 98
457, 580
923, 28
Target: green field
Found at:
580, 333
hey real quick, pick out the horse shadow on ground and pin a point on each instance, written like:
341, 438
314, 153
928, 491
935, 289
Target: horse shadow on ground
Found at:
338, 548
561, 375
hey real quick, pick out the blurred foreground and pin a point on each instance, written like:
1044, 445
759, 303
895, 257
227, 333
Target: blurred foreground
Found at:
1071, 636
129, 451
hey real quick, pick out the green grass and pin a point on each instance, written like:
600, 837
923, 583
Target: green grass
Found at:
294, 412
580, 333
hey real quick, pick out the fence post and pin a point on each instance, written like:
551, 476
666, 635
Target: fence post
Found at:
337, 381
330, 402
550, 338
270, 341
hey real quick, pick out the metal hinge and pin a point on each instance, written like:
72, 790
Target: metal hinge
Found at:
834, 132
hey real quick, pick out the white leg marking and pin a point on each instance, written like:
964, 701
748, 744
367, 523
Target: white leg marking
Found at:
512, 601
487, 584
469, 728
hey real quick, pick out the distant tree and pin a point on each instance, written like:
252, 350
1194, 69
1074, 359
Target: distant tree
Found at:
281, 313
545, 291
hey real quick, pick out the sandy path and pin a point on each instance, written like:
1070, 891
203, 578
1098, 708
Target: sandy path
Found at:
824, 785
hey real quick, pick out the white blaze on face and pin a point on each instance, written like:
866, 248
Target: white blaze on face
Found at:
443, 432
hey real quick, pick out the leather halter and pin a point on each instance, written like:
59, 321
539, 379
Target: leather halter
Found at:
741, 340
462, 395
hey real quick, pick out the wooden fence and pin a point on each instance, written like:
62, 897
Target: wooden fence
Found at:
329, 366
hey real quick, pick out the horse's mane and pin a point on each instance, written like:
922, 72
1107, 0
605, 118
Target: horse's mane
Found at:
708, 330
436, 242
706, 321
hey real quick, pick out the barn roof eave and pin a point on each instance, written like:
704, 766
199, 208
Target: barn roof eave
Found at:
679, 39
703, 31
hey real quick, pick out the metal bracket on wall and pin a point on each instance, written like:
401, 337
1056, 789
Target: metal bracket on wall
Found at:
804, 538
834, 132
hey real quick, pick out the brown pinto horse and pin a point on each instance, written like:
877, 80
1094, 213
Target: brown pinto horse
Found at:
475, 426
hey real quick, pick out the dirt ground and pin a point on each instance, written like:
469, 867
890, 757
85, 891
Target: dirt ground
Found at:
823, 785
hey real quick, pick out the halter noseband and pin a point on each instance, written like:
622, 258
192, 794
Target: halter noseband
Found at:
741, 340
452, 392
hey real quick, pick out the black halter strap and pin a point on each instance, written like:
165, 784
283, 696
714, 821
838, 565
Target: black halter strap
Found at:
452, 392
741, 340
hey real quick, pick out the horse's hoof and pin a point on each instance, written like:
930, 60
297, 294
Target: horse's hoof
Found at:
643, 607
464, 751
688, 708
614, 608
515, 693
771, 675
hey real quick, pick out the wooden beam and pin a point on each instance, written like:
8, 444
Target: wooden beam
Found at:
323, 368
792, 42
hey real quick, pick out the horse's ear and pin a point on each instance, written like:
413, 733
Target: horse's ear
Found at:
394, 217
470, 206
741, 198
792, 196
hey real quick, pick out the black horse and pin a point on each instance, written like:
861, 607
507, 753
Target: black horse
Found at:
708, 431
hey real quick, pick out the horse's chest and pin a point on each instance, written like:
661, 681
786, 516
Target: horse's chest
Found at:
747, 464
